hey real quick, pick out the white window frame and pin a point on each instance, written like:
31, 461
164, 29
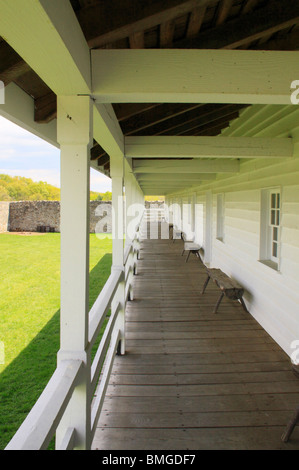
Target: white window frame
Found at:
274, 224
270, 234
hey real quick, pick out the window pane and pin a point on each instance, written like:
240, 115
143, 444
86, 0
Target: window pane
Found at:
274, 250
273, 217
277, 217
273, 201
278, 201
275, 234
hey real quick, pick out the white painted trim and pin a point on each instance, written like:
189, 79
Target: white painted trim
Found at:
19, 109
193, 76
107, 131
39, 426
207, 147
47, 35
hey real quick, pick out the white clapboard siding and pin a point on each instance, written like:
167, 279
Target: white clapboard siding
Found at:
272, 296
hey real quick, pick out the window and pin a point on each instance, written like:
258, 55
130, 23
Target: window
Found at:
274, 225
220, 217
270, 227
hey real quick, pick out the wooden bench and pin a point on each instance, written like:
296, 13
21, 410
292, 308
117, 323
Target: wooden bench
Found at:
232, 289
190, 246
176, 233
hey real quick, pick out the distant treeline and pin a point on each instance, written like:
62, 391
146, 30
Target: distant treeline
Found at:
19, 188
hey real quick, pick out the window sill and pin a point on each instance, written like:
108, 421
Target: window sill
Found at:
271, 264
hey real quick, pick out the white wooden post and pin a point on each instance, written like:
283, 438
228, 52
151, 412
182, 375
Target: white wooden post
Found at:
129, 191
75, 136
117, 175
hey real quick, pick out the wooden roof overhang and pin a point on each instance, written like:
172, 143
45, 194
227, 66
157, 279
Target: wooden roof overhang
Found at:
261, 25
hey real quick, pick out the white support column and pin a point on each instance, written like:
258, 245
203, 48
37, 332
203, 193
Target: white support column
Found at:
75, 137
117, 175
129, 190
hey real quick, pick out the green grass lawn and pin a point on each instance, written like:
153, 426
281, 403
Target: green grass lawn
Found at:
29, 317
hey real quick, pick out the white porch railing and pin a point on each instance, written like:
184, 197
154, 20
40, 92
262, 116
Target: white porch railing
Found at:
41, 423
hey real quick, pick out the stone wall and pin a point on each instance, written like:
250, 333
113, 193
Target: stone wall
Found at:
27, 216
4, 216
34, 216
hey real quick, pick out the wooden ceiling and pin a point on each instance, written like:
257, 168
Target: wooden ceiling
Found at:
184, 24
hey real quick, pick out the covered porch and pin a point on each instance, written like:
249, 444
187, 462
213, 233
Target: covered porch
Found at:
183, 99
191, 379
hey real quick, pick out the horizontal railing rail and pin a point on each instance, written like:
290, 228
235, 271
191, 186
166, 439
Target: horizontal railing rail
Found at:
101, 392
102, 304
41, 423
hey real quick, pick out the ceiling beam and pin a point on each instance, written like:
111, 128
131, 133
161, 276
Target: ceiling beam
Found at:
174, 177
107, 131
254, 25
207, 147
177, 184
193, 76
19, 109
185, 166
48, 37
107, 22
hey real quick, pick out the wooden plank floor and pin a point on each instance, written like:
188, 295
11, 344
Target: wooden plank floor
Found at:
192, 379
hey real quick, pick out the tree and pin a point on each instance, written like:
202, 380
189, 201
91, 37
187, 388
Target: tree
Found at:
4, 195
18, 188
107, 196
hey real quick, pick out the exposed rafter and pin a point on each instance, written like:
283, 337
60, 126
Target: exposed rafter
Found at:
251, 26
11, 64
108, 22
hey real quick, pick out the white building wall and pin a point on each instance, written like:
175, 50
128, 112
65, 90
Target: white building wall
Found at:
272, 296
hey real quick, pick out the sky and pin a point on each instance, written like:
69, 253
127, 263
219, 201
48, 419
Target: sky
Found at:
24, 154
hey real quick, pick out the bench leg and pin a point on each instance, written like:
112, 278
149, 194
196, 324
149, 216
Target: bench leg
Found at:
243, 304
188, 256
290, 427
219, 302
183, 252
205, 285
